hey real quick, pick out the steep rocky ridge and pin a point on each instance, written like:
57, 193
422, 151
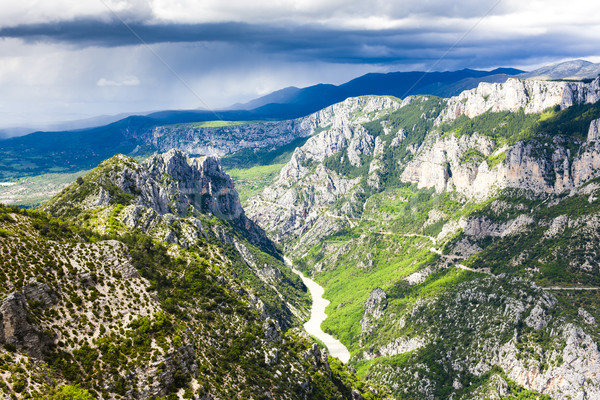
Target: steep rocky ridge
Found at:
187, 203
162, 190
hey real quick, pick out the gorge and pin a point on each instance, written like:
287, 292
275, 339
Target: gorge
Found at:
439, 248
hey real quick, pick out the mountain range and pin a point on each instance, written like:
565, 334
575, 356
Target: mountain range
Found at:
456, 239
70, 151
398, 84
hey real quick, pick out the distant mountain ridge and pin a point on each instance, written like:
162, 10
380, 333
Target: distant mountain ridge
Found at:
70, 151
569, 70
398, 84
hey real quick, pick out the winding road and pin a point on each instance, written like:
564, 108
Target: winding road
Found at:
317, 316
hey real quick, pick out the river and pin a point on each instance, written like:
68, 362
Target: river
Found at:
317, 316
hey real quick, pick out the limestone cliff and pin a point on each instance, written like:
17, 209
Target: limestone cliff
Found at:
264, 135
539, 166
533, 96
165, 191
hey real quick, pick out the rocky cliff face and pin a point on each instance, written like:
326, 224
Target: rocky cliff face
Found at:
17, 330
303, 195
539, 166
533, 96
167, 190
265, 135
374, 308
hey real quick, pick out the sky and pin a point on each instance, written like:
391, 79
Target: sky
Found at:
71, 59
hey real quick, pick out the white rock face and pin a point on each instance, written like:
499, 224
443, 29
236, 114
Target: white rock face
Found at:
397, 346
531, 96
296, 202
170, 189
528, 166
438, 164
374, 308
594, 131
221, 141
402, 345
576, 377
482, 227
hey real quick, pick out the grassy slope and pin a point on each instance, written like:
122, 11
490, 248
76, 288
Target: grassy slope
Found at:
253, 180
209, 124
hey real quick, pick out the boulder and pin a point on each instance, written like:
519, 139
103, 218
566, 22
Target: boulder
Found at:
17, 328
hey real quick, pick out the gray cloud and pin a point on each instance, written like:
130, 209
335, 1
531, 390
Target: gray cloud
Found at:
85, 60
94, 32
311, 42
301, 43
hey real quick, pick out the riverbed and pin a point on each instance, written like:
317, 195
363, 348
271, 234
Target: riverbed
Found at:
317, 316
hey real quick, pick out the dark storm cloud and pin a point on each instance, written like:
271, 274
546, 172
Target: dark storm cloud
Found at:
313, 42
302, 42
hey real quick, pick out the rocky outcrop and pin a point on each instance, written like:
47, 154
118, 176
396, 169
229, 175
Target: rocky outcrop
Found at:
483, 227
439, 164
17, 328
186, 183
374, 308
401, 345
176, 366
594, 131
574, 372
294, 204
166, 196
40, 294
538, 167
317, 357
514, 94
